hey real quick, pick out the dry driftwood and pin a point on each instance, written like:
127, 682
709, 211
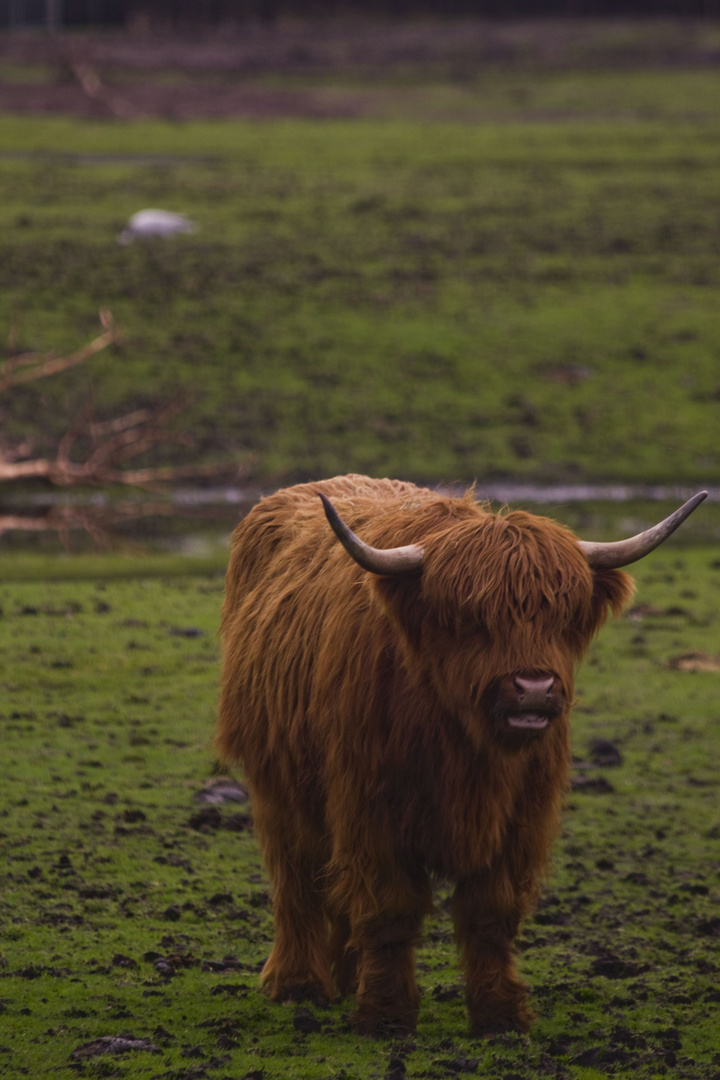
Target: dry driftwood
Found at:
29, 366
93, 452
92, 85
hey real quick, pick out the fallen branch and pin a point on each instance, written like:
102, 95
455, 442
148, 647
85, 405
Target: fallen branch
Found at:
94, 88
111, 444
29, 366
95, 452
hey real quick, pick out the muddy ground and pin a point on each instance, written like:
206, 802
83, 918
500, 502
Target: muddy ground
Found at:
331, 69
135, 914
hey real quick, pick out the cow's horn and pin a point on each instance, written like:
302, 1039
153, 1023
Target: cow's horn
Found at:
624, 552
391, 561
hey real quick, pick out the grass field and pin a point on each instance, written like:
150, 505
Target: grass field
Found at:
519, 280
466, 269
131, 909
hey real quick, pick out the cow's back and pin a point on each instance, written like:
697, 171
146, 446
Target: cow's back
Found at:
289, 583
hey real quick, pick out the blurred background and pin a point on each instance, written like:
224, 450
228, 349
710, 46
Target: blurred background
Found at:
453, 243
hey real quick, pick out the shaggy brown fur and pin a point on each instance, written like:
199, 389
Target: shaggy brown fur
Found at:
369, 714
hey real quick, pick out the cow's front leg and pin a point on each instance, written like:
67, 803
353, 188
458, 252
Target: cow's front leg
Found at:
385, 900
344, 957
387, 993
487, 914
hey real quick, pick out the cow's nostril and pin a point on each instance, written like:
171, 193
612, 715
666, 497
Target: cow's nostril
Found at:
534, 686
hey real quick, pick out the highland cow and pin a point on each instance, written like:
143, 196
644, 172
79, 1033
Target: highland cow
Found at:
397, 688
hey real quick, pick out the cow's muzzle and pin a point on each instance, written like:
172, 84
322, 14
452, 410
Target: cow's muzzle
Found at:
521, 706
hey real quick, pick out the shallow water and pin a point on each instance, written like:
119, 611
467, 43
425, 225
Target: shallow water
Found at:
198, 522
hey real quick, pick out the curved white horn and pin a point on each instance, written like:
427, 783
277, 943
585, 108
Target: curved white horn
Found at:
623, 552
388, 562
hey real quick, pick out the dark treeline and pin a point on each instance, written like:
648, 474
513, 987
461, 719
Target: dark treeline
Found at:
214, 12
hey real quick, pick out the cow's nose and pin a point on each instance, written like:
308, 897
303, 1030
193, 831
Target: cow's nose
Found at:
534, 690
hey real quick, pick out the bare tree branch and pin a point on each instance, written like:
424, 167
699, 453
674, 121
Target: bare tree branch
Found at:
30, 366
94, 88
137, 433
94, 452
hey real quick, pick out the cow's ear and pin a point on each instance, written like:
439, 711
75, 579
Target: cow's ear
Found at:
612, 592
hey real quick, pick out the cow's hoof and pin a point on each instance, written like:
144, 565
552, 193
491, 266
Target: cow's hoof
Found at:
295, 992
381, 1026
487, 1026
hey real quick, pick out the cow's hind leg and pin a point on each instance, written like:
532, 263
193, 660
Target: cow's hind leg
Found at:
299, 965
487, 917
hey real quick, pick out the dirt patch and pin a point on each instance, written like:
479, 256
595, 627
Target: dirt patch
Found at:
354, 67
694, 661
112, 1044
334, 45
222, 791
186, 100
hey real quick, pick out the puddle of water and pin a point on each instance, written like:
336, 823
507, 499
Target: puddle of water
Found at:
198, 523
514, 493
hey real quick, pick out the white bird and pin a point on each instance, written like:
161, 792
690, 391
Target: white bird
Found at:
147, 224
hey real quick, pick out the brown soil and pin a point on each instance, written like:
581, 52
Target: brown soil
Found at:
349, 67
187, 100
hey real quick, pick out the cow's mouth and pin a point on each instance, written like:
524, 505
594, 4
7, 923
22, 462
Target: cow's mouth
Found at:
530, 721
521, 708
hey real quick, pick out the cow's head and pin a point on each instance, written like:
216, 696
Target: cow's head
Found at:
499, 609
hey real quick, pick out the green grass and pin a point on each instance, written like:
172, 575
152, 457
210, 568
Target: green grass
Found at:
499, 272
530, 295
106, 718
